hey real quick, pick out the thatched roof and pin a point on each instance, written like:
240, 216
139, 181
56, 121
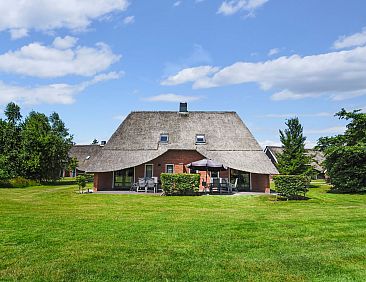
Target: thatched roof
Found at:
228, 141
317, 156
85, 154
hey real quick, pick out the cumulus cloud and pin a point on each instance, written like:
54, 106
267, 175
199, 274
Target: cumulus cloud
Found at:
273, 52
357, 39
129, 20
64, 43
339, 75
60, 59
328, 130
18, 16
173, 98
231, 7
17, 33
291, 115
190, 75
60, 93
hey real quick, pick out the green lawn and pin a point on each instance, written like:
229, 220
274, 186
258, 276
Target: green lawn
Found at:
53, 234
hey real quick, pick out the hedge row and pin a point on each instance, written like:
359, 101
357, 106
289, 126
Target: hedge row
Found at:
291, 186
18, 182
180, 183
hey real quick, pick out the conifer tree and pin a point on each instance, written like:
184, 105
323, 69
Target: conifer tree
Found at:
293, 160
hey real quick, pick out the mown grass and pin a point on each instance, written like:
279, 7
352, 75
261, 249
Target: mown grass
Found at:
50, 233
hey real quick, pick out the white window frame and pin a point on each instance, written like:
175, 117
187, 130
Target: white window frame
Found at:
166, 168
200, 135
152, 170
167, 136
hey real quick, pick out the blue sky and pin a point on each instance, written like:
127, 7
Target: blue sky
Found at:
93, 62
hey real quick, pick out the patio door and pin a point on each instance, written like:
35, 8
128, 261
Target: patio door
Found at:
243, 179
123, 179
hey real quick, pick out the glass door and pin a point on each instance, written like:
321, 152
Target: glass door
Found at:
243, 179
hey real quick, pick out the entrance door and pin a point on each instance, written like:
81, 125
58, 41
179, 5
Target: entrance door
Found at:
243, 179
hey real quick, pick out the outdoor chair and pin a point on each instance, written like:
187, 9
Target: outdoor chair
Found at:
224, 186
150, 184
142, 185
215, 185
233, 186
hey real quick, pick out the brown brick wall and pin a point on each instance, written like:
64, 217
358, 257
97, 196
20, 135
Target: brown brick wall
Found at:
103, 181
260, 182
179, 158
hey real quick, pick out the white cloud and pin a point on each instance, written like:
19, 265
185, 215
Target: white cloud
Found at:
357, 39
264, 143
60, 59
173, 98
64, 43
190, 74
21, 16
177, 3
17, 33
231, 7
339, 75
273, 51
129, 20
291, 115
60, 93
329, 130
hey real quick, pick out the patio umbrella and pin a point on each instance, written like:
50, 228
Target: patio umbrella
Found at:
207, 165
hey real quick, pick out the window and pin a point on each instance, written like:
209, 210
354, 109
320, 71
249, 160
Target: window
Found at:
123, 179
149, 170
164, 138
169, 168
215, 174
200, 139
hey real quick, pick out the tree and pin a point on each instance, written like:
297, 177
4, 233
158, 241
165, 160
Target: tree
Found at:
10, 161
12, 113
81, 181
345, 154
95, 141
293, 160
73, 164
45, 146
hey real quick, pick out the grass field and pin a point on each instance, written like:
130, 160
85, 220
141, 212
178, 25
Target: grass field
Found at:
53, 234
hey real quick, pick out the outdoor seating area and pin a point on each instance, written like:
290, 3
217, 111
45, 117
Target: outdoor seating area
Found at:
216, 186
147, 184
222, 185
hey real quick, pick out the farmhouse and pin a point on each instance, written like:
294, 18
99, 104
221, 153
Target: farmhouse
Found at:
273, 152
149, 143
84, 154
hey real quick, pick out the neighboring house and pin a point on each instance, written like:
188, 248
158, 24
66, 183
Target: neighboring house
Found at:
147, 144
84, 154
273, 152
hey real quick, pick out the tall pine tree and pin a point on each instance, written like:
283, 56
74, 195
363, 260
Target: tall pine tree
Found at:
293, 160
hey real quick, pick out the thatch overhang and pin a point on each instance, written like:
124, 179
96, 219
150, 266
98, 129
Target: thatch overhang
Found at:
317, 156
228, 140
85, 154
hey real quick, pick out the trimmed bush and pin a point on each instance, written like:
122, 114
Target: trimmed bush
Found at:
180, 183
291, 186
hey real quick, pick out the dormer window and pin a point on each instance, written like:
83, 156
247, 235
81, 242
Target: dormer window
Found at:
164, 138
200, 139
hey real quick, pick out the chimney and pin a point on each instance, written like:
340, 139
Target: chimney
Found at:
183, 107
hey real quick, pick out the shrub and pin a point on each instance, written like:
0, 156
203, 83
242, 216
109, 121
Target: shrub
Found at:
180, 183
18, 182
291, 186
81, 182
